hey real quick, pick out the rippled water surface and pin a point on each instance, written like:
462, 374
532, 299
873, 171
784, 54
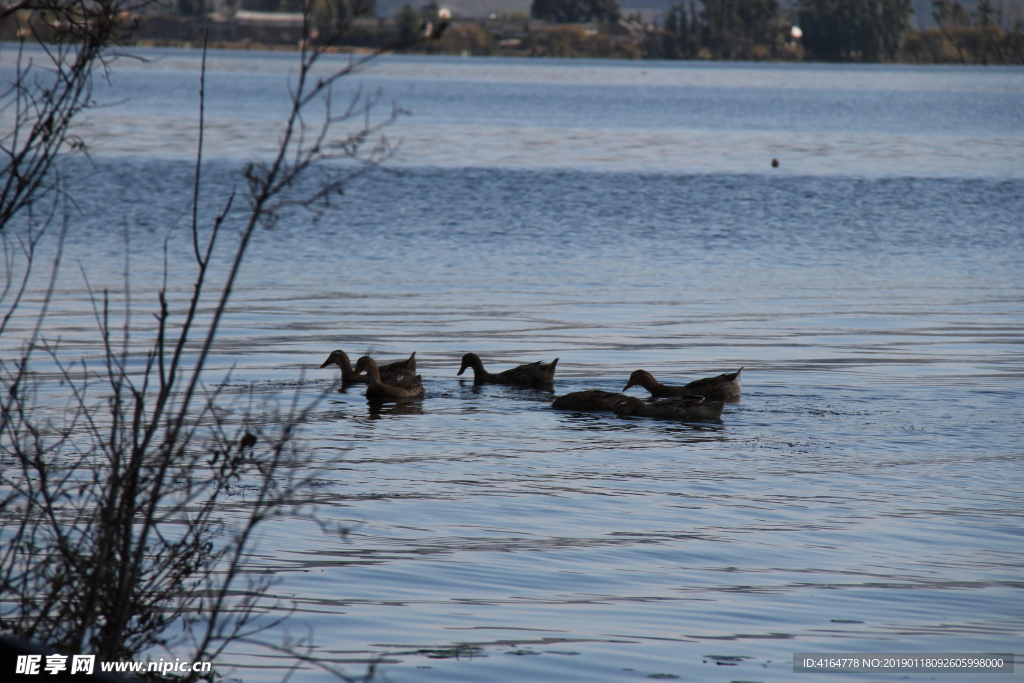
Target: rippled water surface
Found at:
864, 496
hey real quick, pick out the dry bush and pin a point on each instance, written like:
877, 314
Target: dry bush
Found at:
963, 45
113, 534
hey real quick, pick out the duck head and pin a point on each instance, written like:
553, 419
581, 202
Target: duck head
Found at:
367, 364
338, 357
471, 360
641, 378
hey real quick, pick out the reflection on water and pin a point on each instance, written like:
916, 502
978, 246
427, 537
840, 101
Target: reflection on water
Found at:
863, 497
378, 410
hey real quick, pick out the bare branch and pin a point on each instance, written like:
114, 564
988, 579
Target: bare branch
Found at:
112, 511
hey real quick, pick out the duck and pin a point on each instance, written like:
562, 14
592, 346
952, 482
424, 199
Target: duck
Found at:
391, 371
687, 408
528, 375
589, 401
725, 387
396, 389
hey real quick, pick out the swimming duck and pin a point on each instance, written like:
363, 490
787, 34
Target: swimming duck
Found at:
529, 375
391, 371
589, 401
725, 387
685, 408
395, 389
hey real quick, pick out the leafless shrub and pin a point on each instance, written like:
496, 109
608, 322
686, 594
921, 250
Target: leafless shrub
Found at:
113, 532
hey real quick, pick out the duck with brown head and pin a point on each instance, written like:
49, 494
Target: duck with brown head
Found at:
539, 374
396, 370
724, 387
396, 389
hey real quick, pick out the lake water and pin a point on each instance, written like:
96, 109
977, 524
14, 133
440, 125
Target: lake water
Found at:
865, 496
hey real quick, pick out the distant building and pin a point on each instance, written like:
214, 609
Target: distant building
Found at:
268, 27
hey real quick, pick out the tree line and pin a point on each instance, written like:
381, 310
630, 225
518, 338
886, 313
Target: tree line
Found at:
818, 30
827, 30
813, 30
965, 37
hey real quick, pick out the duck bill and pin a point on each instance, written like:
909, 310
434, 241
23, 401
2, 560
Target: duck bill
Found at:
462, 369
631, 384
329, 361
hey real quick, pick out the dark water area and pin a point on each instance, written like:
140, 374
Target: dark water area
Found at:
863, 496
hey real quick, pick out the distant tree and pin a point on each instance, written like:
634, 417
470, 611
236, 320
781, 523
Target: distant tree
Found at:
410, 25
892, 21
575, 11
350, 9
950, 14
331, 19
725, 29
985, 43
676, 36
853, 30
733, 27
987, 15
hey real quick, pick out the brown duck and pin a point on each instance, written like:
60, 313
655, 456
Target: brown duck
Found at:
529, 375
725, 387
685, 408
391, 371
396, 389
589, 401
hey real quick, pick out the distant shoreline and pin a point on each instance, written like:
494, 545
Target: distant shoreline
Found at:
248, 45
526, 37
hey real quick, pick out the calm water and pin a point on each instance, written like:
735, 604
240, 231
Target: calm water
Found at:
865, 495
